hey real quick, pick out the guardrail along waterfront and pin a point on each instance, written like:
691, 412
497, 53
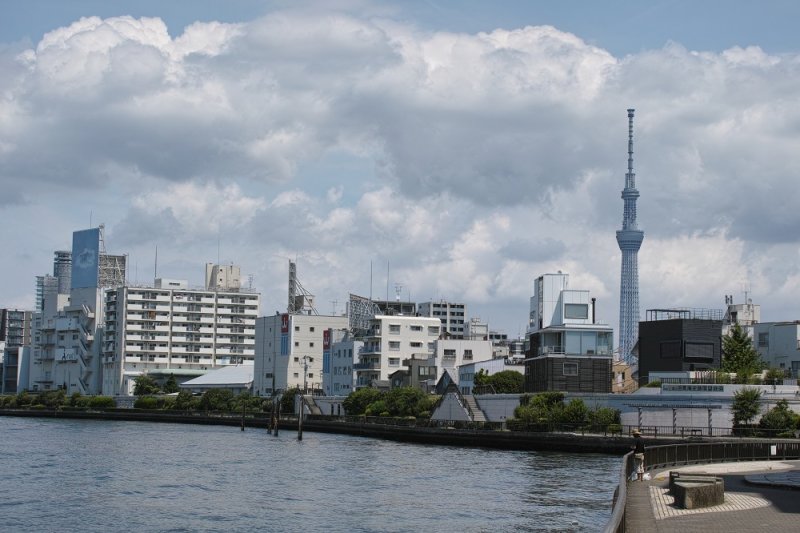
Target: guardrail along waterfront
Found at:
660, 457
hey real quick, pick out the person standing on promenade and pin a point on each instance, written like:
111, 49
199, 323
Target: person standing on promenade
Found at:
638, 454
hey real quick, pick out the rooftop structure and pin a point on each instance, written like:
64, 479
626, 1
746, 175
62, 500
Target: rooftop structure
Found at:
629, 239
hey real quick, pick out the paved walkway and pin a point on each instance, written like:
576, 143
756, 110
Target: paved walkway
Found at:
758, 496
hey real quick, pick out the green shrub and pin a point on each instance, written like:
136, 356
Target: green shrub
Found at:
101, 402
146, 402
654, 384
376, 408
357, 401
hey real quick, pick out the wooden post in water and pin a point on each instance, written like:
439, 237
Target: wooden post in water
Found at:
244, 408
300, 419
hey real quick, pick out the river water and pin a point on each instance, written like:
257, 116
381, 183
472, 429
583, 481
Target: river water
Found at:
69, 475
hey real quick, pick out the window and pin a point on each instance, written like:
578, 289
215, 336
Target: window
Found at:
416, 328
297, 328
578, 311
310, 344
433, 330
296, 343
449, 353
296, 359
763, 340
416, 345
570, 369
394, 328
296, 374
394, 345
394, 361
311, 329
310, 375
467, 354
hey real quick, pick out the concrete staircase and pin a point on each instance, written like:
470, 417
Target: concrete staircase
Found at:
477, 414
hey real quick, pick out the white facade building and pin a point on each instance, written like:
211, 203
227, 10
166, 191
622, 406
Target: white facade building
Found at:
467, 371
778, 343
746, 315
172, 329
339, 377
390, 340
452, 315
452, 353
290, 349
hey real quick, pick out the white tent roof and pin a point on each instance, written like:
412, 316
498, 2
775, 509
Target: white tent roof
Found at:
227, 376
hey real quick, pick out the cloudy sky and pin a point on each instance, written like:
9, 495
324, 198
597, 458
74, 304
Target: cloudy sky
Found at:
469, 145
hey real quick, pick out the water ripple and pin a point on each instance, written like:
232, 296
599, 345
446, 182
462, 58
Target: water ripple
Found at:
130, 476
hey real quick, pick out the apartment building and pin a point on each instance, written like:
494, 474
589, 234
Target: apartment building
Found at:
170, 328
338, 374
452, 353
290, 349
452, 316
392, 339
15, 333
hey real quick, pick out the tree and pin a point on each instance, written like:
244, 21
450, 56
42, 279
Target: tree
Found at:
144, 385
507, 382
185, 401
171, 386
779, 418
402, 401
216, 400
746, 405
358, 401
739, 355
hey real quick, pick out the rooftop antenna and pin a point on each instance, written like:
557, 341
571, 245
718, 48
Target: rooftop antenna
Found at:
155, 265
334, 302
398, 289
249, 281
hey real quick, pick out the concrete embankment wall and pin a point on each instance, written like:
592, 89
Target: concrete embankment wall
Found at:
564, 442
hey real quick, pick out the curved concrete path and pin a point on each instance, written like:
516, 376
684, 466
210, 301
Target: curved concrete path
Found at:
758, 496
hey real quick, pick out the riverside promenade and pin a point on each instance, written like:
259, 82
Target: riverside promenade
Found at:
759, 496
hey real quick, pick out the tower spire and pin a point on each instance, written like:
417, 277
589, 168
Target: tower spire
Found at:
629, 239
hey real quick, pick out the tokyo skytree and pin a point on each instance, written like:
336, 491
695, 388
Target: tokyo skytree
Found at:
629, 239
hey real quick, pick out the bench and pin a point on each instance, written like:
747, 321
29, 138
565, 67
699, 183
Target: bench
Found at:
694, 491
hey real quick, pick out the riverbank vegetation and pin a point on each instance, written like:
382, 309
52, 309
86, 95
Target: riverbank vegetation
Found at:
401, 401
546, 410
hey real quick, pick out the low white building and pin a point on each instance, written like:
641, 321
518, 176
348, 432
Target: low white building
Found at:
466, 372
390, 340
235, 378
452, 353
170, 328
290, 349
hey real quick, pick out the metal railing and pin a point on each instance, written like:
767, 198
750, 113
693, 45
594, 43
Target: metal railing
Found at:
659, 457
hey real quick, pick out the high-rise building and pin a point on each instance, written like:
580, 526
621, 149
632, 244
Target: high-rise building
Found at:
629, 239
173, 329
62, 270
15, 336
